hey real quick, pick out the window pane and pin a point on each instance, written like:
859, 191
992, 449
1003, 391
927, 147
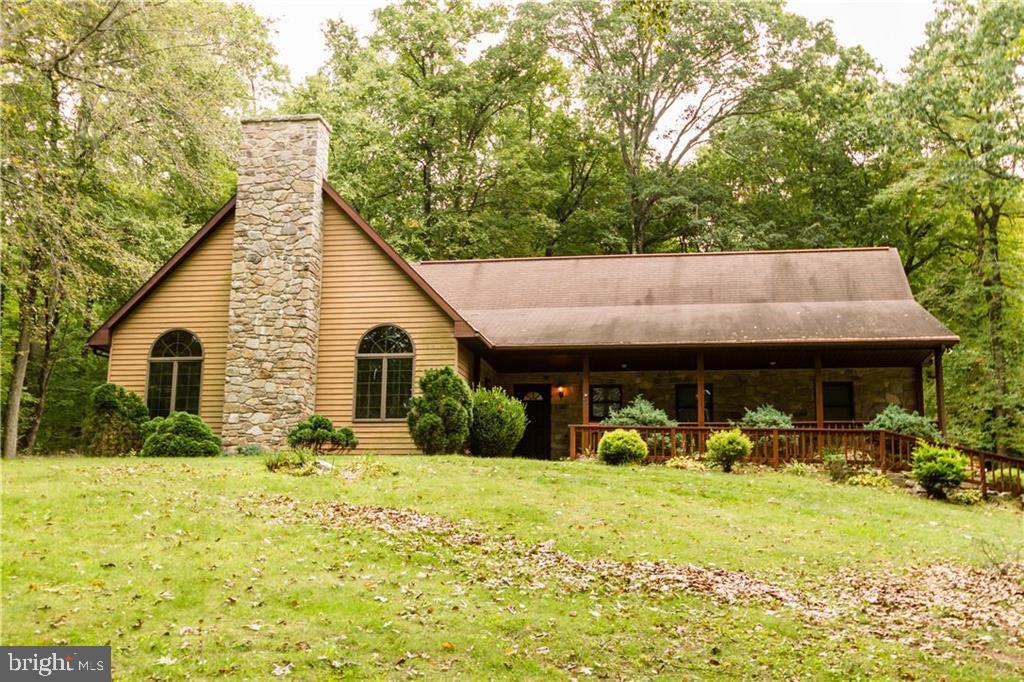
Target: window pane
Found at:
399, 388
368, 387
386, 339
158, 396
838, 399
686, 402
177, 344
186, 391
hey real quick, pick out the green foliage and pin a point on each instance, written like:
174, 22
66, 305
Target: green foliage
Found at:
895, 418
938, 469
90, 88
870, 479
726, 448
499, 421
836, 466
179, 435
965, 497
640, 412
297, 461
622, 447
439, 416
114, 422
798, 469
250, 450
766, 417
318, 432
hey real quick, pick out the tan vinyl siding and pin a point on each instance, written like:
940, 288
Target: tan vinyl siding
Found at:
363, 288
465, 365
193, 297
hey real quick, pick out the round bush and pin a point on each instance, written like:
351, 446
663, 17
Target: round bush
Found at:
725, 448
113, 424
894, 418
318, 432
938, 469
439, 416
499, 421
179, 435
622, 447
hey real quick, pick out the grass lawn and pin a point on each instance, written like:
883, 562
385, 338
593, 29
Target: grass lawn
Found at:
208, 568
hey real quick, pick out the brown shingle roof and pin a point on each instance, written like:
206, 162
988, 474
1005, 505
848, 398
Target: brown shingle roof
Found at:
760, 297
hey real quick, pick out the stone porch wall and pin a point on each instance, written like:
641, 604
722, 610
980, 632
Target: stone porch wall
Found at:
791, 390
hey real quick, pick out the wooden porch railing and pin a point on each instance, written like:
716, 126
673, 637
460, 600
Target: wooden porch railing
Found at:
774, 447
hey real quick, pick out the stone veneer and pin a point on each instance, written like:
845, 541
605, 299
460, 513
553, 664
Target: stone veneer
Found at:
791, 390
274, 308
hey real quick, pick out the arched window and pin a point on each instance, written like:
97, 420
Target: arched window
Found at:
383, 374
175, 374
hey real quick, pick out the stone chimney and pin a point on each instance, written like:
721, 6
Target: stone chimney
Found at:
274, 308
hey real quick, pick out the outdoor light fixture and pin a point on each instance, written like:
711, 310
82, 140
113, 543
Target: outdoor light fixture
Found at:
561, 392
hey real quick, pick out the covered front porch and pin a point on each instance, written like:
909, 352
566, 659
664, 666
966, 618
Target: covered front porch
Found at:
822, 387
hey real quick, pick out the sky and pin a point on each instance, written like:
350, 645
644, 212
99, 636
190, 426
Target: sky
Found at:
888, 29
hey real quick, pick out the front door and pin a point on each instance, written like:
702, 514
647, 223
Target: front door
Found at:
536, 441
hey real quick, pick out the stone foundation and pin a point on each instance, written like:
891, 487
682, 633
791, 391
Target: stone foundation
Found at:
274, 308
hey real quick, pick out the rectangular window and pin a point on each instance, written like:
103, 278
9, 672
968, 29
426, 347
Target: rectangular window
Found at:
186, 389
604, 399
838, 399
686, 402
369, 386
399, 388
158, 397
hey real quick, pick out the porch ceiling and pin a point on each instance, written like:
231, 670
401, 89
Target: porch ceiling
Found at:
685, 359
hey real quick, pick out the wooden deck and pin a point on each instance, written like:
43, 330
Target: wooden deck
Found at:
775, 447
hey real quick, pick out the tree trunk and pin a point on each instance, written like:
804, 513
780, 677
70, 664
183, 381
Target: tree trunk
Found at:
46, 363
987, 229
17, 387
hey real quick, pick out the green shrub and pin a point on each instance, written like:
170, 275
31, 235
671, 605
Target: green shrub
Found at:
439, 416
499, 422
299, 461
965, 497
179, 435
318, 432
766, 417
250, 450
113, 423
895, 418
725, 448
640, 412
622, 447
938, 469
870, 479
835, 464
798, 469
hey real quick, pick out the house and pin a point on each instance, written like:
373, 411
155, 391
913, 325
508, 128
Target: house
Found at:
287, 303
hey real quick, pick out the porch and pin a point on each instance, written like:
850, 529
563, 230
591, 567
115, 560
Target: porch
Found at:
822, 387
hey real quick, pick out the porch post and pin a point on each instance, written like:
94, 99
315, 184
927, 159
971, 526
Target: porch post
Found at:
819, 392
919, 389
700, 388
940, 392
586, 390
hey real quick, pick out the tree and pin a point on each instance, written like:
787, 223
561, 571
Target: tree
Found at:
964, 98
108, 105
665, 74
